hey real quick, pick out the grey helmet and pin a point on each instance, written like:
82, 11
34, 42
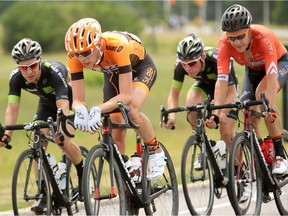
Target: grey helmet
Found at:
190, 48
236, 17
26, 49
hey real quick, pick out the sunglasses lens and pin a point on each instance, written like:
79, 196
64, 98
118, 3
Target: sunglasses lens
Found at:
83, 54
23, 68
31, 66
191, 64
239, 37
34, 66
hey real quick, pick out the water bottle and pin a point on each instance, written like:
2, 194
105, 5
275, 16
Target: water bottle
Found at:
60, 175
219, 150
267, 148
52, 161
136, 168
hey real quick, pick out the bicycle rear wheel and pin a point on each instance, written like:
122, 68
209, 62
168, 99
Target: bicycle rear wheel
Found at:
198, 185
163, 191
97, 187
245, 179
24, 185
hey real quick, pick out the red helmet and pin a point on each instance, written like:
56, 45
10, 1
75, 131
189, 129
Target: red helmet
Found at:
83, 35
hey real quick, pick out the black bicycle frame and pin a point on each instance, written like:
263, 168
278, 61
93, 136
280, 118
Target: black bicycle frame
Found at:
201, 134
112, 149
268, 179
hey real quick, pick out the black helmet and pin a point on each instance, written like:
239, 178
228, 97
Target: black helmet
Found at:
190, 48
236, 17
26, 49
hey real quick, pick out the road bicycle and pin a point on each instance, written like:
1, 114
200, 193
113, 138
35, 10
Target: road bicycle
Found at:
252, 176
199, 186
33, 164
112, 191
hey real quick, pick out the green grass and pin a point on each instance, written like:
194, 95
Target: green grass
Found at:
173, 140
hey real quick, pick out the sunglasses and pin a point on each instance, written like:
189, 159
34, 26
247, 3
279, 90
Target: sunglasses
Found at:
190, 64
238, 37
83, 54
32, 66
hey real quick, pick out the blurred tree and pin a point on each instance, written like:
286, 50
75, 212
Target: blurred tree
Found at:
279, 14
47, 22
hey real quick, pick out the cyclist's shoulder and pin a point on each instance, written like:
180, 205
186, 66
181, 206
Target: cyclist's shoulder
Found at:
15, 75
53, 66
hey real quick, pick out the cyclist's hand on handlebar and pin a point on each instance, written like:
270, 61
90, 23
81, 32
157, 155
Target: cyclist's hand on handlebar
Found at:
59, 138
212, 122
94, 122
81, 118
270, 116
4, 141
169, 124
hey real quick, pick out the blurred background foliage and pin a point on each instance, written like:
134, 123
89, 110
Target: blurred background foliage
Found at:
48, 21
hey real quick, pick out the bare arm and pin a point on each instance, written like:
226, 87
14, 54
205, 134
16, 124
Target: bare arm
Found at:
78, 91
173, 101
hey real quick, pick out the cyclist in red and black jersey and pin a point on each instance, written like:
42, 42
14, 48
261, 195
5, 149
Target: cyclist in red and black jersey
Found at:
129, 74
50, 81
266, 70
200, 63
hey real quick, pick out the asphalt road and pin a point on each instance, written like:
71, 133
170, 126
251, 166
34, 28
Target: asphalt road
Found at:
221, 207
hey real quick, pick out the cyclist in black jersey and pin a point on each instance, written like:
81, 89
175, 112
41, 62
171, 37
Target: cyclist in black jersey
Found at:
200, 63
50, 81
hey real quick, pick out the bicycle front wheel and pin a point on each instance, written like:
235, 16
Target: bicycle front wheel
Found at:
100, 197
24, 185
163, 191
281, 197
198, 184
245, 180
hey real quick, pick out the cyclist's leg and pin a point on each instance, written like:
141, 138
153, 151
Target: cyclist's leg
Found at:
144, 80
119, 134
195, 95
249, 84
274, 126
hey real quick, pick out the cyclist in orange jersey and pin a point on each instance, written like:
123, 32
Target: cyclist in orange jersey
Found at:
129, 74
266, 64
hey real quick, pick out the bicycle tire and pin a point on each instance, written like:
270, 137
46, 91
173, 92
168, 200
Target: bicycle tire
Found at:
241, 180
97, 166
281, 197
163, 191
198, 191
23, 197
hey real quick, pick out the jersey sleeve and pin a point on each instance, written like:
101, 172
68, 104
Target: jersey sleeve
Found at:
118, 47
75, 66
15, 81
223, 60
58, 80
268, 46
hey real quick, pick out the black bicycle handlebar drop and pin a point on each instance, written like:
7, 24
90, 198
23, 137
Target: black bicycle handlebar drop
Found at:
125, 113
210, 107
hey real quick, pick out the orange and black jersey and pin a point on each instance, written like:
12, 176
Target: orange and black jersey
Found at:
122, 51
51, 86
